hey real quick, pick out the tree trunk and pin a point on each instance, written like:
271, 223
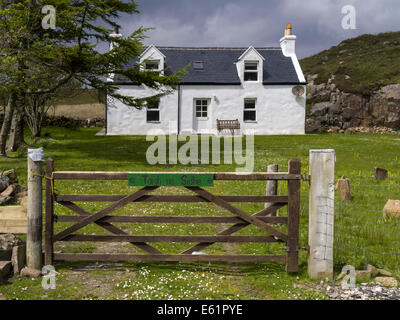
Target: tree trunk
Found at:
5, 128
17, 132
37, 130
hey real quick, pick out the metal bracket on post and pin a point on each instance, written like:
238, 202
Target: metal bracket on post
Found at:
306, 177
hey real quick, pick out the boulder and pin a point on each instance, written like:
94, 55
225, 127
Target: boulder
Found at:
5, 200
343, 188
30, 273
5, 255
20, 189
12, 176
18, 258
384, 273
8, 192
392, 209
8, 241
374, 271
380, 174
4, 182
5, 270
363, 274
24, 201
386, 281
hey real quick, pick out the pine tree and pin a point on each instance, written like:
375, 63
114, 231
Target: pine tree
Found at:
36, 61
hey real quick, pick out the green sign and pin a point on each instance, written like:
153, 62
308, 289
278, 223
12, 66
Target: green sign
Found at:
170, 180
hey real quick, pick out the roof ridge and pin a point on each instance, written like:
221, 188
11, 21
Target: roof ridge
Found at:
216, 48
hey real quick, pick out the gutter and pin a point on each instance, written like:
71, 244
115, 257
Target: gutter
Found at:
179, 109
222, 83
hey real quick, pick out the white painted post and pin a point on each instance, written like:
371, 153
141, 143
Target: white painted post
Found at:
34, 233
321, 215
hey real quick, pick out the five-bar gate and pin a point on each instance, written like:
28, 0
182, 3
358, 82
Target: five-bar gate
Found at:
239, 220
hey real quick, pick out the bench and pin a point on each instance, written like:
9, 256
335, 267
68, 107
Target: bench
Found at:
228, 125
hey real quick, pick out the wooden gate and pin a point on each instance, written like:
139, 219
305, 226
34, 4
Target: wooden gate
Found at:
240, 219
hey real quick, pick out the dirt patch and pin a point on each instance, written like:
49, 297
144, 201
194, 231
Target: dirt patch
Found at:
99, 280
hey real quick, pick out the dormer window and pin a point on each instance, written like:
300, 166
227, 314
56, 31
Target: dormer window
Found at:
152, 65
251, 71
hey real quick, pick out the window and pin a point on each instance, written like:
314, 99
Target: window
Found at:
198, 65
152, 65
249, 114
201, 108
153, 110
251, 71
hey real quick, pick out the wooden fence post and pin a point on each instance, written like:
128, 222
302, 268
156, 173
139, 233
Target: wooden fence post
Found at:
272, 186
48, 257
292, 254
34, 233
321, 213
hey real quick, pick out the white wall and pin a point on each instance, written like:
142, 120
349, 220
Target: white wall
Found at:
124, 120
278, 110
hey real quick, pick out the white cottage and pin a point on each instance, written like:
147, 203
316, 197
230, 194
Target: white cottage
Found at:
259, 88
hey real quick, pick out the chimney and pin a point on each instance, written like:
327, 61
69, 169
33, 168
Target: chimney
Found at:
288, 42
115, 34
288, 30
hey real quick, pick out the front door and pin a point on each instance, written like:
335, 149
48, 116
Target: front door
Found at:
202, 115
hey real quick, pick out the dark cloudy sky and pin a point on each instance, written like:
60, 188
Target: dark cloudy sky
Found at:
317, 23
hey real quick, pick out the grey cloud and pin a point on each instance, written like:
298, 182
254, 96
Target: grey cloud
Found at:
317, 23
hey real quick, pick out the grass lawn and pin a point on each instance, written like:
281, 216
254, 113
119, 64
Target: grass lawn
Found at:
361, 234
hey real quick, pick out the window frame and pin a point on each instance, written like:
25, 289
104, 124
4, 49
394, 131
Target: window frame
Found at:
208, 100
251, 71
154, 62
246, 100
198, 63
153, 110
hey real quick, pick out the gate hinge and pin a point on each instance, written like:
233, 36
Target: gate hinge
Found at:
55, 218
287, 249
306, 177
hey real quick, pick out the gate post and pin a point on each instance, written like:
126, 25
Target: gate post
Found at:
48, 256
272, 186
292, 255
321, 213
34, 257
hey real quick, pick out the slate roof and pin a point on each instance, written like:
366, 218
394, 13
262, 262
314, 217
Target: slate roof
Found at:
219, 67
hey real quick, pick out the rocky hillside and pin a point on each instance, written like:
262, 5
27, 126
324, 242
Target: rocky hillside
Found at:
356, 83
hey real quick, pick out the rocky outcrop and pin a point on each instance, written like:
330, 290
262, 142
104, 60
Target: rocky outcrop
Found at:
330, 107
10, 190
